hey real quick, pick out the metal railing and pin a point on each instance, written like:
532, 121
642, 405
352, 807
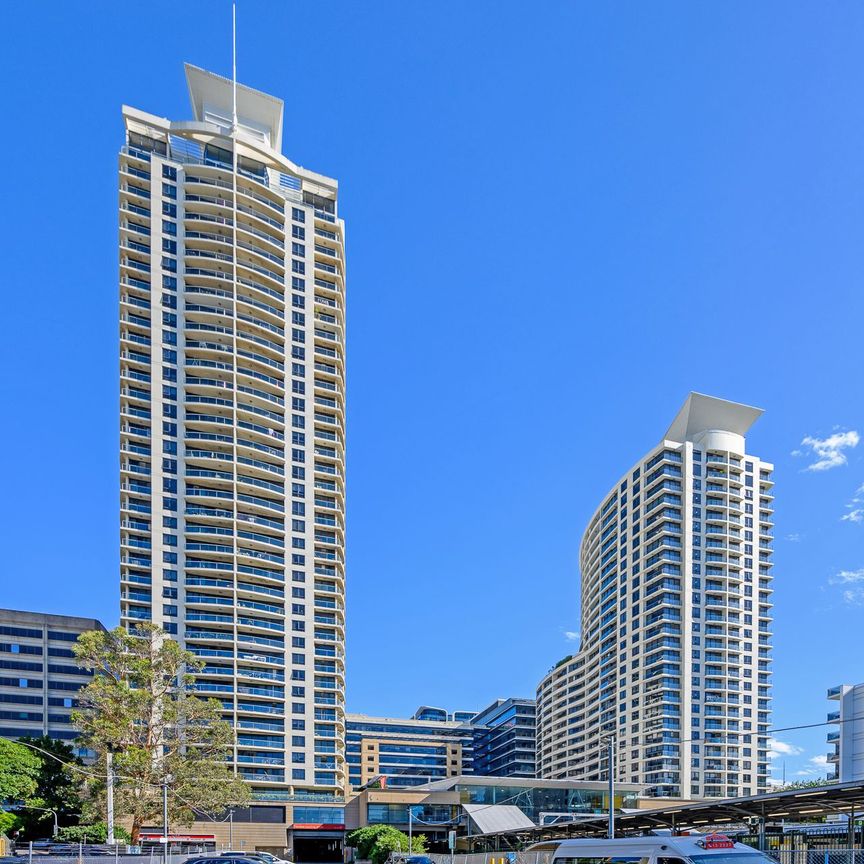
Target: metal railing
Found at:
817, 856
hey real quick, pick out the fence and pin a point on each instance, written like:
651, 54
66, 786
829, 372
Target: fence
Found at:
782, 856
817, 856
525, 858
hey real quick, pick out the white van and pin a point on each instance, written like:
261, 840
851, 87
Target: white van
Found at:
690, 849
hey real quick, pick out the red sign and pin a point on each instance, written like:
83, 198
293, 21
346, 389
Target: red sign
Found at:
318, 826
179, 838
716, 841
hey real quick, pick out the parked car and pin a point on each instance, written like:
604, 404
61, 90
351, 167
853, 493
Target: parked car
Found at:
263, 857
400, 858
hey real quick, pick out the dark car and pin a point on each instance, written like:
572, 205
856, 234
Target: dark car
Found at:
218, 859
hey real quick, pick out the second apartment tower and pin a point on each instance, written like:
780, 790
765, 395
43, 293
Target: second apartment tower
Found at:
675, 658
232, 424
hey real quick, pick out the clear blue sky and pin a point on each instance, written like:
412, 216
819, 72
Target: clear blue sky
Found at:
561, 217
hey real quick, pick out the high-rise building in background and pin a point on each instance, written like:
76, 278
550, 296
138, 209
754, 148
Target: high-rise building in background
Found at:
675, 657
504, 738
847, 741
232, 427
40, 679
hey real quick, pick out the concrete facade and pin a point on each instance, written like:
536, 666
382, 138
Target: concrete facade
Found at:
675, 654
847, 756
39, 679
232, 426
407, 752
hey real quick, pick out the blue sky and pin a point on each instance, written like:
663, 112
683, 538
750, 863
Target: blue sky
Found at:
561, 217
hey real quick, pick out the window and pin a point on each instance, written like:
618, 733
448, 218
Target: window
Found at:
298, 215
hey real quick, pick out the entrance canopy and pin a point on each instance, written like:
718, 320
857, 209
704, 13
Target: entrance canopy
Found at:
494, 818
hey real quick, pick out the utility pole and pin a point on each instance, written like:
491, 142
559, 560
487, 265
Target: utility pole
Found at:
610, 758
165, 817
165, 810
109, 788
410, 828
231, 829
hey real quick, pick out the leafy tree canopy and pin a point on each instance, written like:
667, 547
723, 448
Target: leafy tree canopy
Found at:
19, 772
95, 833
140, 705
376, 842
58, 787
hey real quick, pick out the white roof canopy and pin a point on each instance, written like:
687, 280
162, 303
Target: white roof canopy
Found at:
490, 818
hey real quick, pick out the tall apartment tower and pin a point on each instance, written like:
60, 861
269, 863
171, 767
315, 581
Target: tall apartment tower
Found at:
232, 425
675, 656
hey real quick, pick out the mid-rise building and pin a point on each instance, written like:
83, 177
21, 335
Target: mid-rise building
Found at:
847, 757
504, 739
39, 679
408, 752
232, 427
675, 658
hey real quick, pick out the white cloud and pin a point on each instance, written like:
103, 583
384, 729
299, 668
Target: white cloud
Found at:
829, 451
782, 748
845, 577
854, 597
794, 538
775, 782
571, 635
856, 513
853, 593
820, 762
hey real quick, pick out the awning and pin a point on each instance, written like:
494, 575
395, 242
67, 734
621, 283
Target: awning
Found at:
490, 818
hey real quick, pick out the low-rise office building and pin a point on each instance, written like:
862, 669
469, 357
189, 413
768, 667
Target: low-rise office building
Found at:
848, 739
39, 679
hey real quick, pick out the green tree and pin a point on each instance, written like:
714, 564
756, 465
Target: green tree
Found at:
9, 822
58, 787
376, 842
140, 705
95, 833
19, 772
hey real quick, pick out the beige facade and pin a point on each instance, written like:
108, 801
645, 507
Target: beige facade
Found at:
407, 751
232, 425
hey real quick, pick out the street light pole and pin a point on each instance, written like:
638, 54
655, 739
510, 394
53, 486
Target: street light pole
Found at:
44, 810
410, 828
610, 758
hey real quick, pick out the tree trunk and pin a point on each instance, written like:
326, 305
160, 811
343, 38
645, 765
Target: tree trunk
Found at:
136, 831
